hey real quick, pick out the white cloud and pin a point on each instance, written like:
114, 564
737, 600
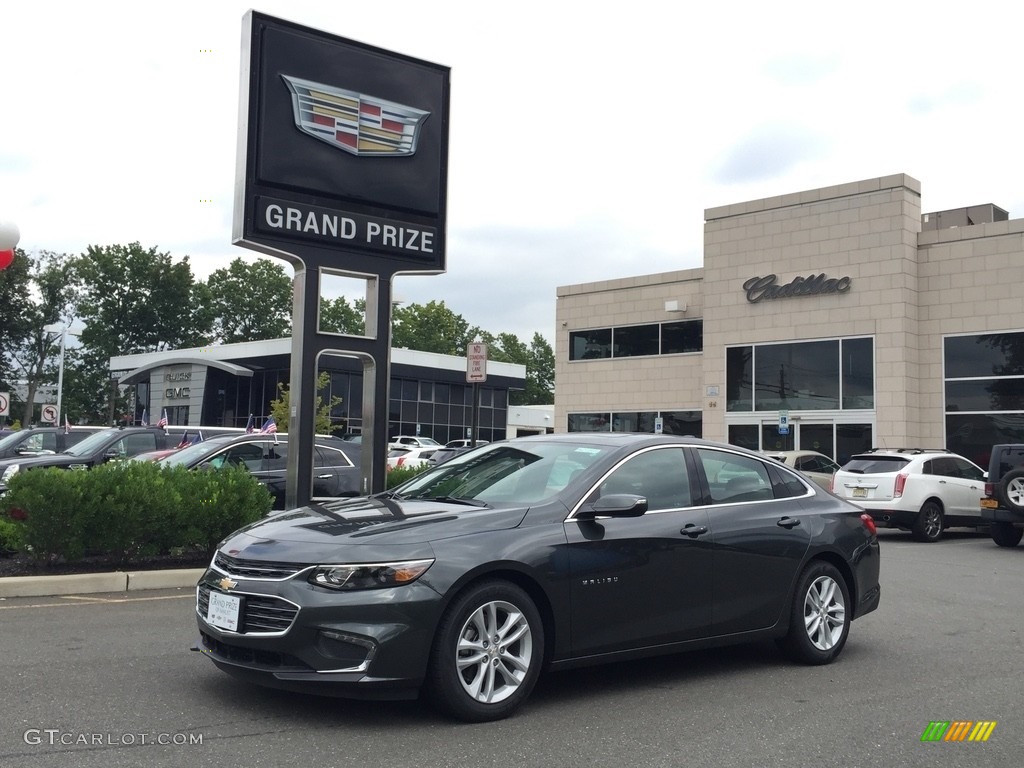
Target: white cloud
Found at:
586, 140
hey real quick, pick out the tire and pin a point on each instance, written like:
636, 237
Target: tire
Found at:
929, 522
476, 678
1011, 490
1006, 535
819, 620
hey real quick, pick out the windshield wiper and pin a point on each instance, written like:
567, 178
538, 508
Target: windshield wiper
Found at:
456, 500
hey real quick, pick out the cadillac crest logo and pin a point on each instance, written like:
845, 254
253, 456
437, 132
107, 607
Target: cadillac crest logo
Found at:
355, 122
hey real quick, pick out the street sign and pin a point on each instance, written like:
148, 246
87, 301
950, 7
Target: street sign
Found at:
5, 403
659, 425
476, 363
49, 414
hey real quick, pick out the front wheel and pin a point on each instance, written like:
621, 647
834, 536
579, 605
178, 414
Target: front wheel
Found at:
818, 623
1006, 535
487, 653
928, 526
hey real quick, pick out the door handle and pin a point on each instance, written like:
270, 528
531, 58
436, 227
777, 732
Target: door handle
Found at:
788, 522
693, 531
323, 477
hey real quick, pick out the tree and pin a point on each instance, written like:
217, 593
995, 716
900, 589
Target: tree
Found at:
15, 311
251, 300
46, 298
338, 316
279, 408
539, 360
133, 300
431, 328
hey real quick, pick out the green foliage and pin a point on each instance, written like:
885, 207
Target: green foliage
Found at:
431, 328
12, 535
128, 510
399, 475
338, 316
251, 300
539, 360
280, 407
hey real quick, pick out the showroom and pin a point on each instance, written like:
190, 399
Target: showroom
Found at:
221, 385
834, 319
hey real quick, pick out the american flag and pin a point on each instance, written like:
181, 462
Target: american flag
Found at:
269, 427
184, 440
250, 425
163, 420
67, 426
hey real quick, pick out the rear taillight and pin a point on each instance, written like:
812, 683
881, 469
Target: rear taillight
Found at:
869, 523
990, 490
832, 484
901, 483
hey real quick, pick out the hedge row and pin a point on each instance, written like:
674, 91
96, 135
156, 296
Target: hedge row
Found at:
127, 510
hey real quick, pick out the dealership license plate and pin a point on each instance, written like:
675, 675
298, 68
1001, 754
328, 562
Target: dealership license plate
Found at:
860, 493
989, 504
223, 611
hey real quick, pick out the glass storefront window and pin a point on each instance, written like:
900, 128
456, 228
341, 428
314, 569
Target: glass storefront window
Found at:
590, 345
635, 340
989, 354
799, 376
744, 435
858, 373
684, 336
739, 379
589, 422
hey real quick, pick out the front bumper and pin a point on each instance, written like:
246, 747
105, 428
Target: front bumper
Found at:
297, 636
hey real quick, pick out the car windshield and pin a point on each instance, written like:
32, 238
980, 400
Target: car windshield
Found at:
191, 454
526, 473
12, 439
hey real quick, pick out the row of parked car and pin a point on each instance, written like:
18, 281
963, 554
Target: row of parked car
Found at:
925, 491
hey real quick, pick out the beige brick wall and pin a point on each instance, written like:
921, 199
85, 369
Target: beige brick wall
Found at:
908, 290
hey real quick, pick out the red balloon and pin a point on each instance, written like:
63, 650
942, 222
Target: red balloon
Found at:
6, 257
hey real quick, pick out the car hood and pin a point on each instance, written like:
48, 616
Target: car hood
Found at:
309, 533
45, 460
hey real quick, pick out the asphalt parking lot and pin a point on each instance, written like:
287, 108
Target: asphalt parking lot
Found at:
107, 680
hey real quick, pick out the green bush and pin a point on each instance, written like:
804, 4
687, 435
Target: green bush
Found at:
130, 510
12, 536
399, 475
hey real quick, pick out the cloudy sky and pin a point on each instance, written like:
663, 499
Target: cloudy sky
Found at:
118, 123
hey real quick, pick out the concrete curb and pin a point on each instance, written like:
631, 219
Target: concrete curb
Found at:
91, 583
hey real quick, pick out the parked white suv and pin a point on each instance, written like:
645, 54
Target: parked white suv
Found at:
411, 441
920, 490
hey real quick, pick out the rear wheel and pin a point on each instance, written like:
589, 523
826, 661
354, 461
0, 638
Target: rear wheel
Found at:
1006, 535
818, 622
928, 526
487, 653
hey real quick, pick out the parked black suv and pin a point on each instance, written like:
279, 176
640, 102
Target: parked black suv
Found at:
33, 441
97, 448
336, 463
1003, 504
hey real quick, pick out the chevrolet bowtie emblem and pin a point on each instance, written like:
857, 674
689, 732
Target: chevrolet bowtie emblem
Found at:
227, 583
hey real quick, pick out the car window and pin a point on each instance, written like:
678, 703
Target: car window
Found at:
870, 465
248, 455
275, 456
129, 445
963, 468
659, 476
330, 457
734, 478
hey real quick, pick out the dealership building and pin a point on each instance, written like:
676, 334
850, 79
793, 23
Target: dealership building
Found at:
221, 385
834, 319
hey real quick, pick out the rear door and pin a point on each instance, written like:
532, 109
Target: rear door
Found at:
760, 534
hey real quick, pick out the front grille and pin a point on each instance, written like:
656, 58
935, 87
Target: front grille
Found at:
255, 569
253, 657
260, 613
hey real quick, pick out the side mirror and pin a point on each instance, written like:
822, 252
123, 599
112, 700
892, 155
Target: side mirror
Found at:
614, 505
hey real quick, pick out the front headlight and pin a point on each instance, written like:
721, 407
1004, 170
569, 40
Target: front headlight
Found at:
368, 575
10, 472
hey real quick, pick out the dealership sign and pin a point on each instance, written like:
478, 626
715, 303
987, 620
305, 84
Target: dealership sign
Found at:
345, 153
762, 288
